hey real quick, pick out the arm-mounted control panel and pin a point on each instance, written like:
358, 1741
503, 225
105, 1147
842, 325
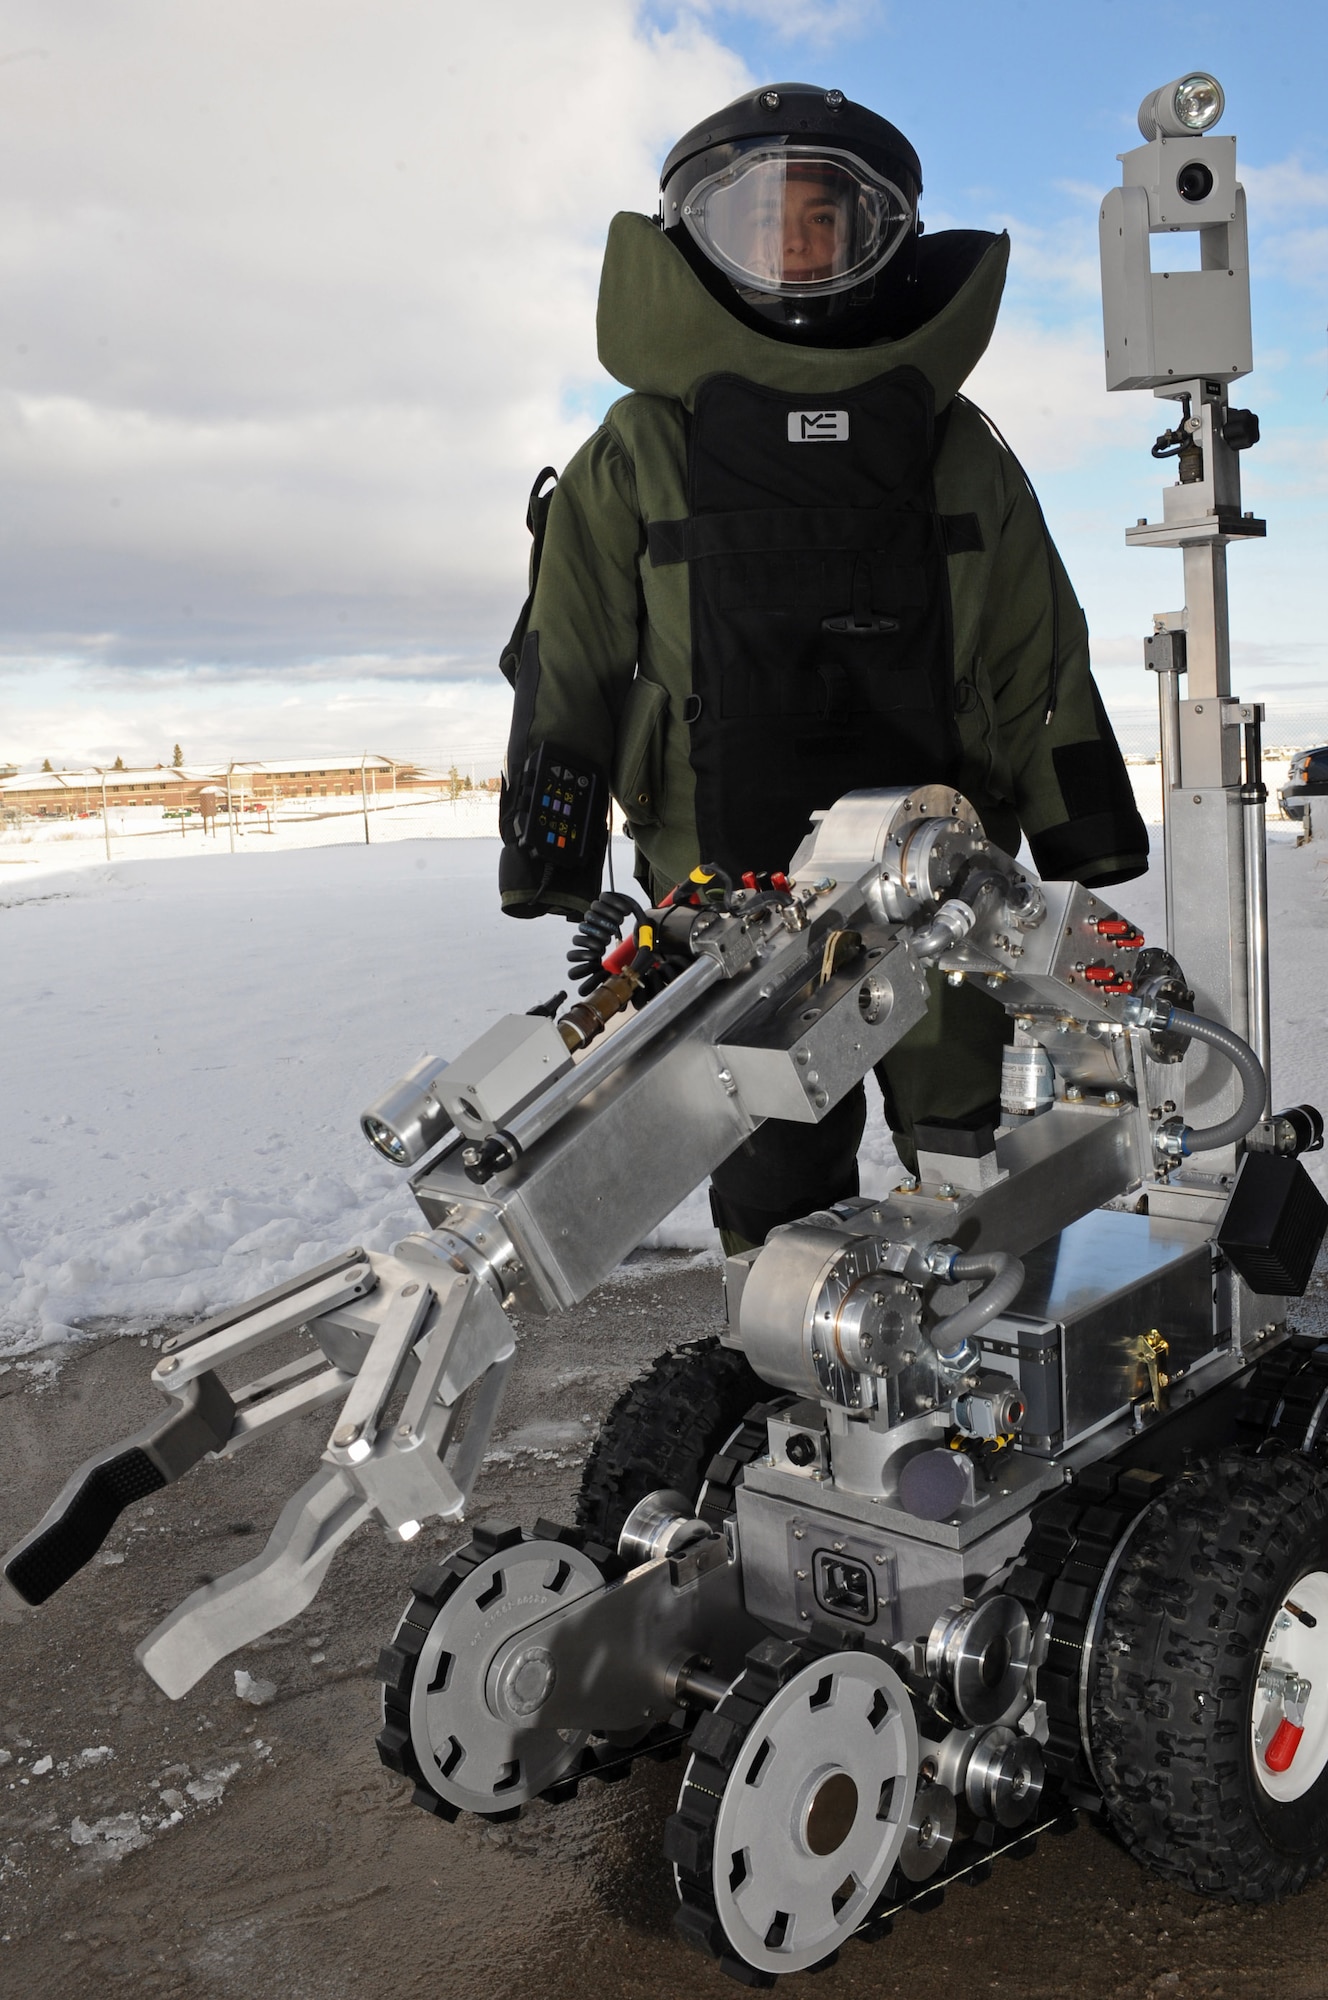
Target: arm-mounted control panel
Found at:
562, 809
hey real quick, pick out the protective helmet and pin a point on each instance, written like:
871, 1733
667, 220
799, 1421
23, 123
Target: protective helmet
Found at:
798, 209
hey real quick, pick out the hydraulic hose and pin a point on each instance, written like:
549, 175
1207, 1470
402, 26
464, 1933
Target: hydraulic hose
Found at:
956, 916
1255, 1085
1006, 1275
596, 933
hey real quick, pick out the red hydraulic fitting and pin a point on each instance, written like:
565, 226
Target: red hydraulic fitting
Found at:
779, 881
1122, 934
1118, 986
621, 955
1282, 1750
1099, 974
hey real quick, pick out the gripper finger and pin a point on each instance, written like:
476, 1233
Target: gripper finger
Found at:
74, 1527
251, 1600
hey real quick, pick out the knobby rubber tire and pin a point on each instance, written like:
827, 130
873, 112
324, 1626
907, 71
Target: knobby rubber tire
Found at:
1171, 1687
663, 1431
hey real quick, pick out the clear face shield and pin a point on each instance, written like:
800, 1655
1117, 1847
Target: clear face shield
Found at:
795, 222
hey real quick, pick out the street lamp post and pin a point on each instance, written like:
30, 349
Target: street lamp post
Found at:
105, 821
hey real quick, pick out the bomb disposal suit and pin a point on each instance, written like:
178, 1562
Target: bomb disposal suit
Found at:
794, 562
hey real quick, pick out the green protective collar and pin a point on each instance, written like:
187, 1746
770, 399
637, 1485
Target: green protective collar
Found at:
661, 332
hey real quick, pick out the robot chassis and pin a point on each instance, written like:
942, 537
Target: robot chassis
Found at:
1031, 1518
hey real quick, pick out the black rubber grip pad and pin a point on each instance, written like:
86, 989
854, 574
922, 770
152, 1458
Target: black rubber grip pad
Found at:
53, 1556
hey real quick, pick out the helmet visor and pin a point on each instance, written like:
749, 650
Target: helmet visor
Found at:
798, 221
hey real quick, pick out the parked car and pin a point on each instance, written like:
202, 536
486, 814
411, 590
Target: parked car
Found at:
1307, 778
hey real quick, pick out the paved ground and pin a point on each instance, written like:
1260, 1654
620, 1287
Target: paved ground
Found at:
284, 1864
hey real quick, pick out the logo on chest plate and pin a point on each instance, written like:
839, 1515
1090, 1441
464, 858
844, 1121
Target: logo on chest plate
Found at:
818, 427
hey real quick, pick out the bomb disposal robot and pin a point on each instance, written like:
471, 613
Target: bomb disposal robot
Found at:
1003, 1494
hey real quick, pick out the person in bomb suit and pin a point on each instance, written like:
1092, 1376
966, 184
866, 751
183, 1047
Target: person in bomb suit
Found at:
794, 561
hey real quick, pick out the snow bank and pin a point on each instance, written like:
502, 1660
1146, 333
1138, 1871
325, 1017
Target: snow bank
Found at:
143, 833
188, 1047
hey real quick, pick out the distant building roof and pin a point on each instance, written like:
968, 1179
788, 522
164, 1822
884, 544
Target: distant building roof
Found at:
309, 767
92, 777
91, 780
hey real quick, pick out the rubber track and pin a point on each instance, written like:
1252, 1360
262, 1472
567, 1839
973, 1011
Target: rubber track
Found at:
663, 1431
1072, 1539
689, 1836
1286, 1402
397, 1664
1170, 1692
750, 1440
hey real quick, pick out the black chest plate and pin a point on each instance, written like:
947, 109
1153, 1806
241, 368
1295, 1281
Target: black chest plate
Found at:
822, 657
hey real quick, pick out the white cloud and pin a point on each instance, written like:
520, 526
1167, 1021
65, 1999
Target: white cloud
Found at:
1043, 385
295, 302
827, 20
1283, 189
1288, 224
81, 721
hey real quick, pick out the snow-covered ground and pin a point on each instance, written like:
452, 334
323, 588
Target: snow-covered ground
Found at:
189, 1040
144, 833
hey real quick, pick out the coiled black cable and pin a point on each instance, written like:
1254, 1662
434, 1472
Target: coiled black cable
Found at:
598, 930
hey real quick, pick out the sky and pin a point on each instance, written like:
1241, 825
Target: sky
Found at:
295, 302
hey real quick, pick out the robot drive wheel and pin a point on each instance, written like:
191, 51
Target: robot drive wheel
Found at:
1207, 1691
663, 1431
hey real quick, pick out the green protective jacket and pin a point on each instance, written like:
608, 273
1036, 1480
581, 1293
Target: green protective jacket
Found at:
602, 658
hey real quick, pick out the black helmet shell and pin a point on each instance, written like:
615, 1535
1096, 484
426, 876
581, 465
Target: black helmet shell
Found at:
804, 118
801, 114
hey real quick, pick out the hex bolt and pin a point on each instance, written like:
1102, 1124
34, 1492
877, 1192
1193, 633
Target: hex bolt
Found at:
345, 1434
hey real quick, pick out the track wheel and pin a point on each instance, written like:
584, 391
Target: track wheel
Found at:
471, 1745
797, 1802
1207, 1692
663, 1431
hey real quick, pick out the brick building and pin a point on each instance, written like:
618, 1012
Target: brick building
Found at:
71, 794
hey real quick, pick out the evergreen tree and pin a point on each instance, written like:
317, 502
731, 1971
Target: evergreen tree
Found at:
118, 765
46, 763
177, 757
